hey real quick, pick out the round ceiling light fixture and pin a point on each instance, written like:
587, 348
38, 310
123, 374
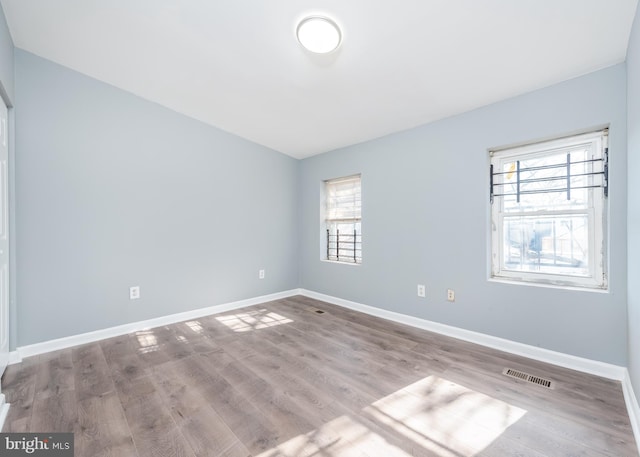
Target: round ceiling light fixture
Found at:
319, 34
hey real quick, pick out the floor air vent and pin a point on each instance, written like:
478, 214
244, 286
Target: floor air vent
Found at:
528, 378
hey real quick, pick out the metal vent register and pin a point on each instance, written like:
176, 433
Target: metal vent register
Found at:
528, 378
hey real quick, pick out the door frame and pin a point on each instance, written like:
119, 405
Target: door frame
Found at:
11, 245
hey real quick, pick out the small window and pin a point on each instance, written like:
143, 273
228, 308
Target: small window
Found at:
548, 210
343, 203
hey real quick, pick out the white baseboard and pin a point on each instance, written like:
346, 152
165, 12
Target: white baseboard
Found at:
594, 367
90, 337
14, 357
545, 355
4, 410
633, 408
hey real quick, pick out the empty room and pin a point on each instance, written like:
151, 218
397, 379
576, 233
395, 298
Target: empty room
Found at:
336, 229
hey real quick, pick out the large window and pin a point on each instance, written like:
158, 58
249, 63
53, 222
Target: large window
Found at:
548, 221
343, 203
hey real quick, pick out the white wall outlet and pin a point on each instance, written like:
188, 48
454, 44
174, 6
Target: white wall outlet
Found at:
422, 290
451, 295
134, 292
260, 274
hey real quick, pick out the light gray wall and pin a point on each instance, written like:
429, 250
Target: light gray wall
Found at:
633, 122
425, 221
115, 191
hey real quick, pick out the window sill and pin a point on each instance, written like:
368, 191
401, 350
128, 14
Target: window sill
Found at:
548, 285
341, 263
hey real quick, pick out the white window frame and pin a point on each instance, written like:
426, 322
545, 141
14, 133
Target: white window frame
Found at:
346, 215
596, 212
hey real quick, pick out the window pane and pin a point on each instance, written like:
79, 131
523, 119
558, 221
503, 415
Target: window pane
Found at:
551, 245
344, 242
549, 211
342, 217
548, 173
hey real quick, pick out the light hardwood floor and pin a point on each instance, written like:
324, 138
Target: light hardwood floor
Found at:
279, 379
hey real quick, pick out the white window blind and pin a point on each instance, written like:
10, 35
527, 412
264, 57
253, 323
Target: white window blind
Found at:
343, 214
344, 199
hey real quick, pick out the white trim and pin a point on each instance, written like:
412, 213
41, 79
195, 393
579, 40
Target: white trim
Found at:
14, 357
90, 337
4, 410
595, 212
594, 367
633, 408
549, 285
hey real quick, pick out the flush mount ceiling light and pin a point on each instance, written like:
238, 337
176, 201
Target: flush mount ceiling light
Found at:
319, 34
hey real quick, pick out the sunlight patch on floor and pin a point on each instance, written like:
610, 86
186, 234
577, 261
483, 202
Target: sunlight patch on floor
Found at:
147, 341
432, 416
253, 320
195, 326
444, 417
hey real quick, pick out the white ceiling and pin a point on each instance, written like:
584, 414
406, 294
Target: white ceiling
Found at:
237, 65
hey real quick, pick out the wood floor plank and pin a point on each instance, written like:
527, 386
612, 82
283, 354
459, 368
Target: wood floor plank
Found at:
506, 447
91, 371
121, 354
192, 333
19, 387
205, 431
249, 424
55, 413
254, 430
209, 436
102, 428
569, 431
359, 346
552, 444
55, 373
358, 376
278, 379
21, 425
152, 428
274, 397
159, 345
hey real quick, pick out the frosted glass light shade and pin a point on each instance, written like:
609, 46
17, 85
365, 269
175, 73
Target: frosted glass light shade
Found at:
319, 34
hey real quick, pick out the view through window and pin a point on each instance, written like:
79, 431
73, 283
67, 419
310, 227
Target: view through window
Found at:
343, 214
548, 211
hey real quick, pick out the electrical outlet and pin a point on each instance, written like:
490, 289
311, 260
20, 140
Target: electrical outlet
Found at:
261, 274
422, 292
451, 295
134, 292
